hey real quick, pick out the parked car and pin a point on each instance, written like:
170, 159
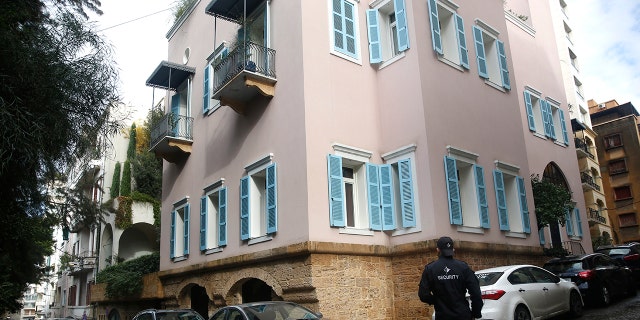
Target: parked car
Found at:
266, 310
598, 276
177, 314
527, 292
627, 254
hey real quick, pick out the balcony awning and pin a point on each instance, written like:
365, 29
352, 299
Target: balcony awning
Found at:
169, 75
232, 10
577, 125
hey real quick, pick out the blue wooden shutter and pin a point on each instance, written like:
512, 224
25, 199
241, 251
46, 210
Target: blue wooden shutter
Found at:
387, 202
272, 199
406, 193
203, 223
401, 25
462, 42
373, 195
375, 51
480, 56
529, 107
453, 191
336, 191
541, 236
435, 26
222, 217
206, 98
563, 125
481, 194
576, 212
344, 27
172, 239
186, 229
524, 208
552, 127
244, 208
175, 110
504, 68
544, 107
501, 200
569, 222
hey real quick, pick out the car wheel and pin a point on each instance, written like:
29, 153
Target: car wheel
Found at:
576, 307
521, 313
605, 296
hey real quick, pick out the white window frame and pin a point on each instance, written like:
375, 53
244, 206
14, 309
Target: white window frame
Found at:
218, 54
447, 10
489, 39
389, 46
257, 172
392, 158
536, 110
467, 187
512, 197
556, 116
356, 58
180, 208
212, 196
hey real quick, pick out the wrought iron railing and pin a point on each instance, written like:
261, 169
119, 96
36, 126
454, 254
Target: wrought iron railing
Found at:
586, 178
573, 247
172, 125
249, 56
595, 215
580, 144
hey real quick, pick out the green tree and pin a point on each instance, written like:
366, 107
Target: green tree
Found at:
147, 174
131, 150
115, 182
551, 201
58, 84
125, 183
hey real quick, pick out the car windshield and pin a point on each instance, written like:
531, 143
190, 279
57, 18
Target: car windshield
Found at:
278, 312
178, 315
564, 266
488, 278
615, 251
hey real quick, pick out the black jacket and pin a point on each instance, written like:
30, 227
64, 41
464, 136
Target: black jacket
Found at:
445, 283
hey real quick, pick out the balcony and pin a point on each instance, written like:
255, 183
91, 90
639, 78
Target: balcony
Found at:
588, 182
82, 263
582, 149
245, 74
171, 137
594, 215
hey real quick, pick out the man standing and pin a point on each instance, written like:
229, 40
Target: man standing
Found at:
445, 283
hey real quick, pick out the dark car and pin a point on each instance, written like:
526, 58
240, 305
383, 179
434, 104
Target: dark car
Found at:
627, 254
177, 314
598, 276
266, 310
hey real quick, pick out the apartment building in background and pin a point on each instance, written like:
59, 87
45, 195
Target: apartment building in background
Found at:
315, 150
618, 144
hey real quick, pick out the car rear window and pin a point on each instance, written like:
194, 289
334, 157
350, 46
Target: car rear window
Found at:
564, 266
488, 278
615, 251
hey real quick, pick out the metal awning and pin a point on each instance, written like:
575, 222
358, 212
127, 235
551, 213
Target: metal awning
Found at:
169, 75
577, 125
232, 10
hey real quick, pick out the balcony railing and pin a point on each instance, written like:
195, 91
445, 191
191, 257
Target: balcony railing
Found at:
171, 137
588, 180
255, 58
172, 125
595, 215
581, 146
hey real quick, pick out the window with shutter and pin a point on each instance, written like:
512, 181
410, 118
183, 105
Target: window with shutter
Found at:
180, 230
213, 217
448, 34
344, 29
491, 56
387, 31
466, 189
511, 199
259, 202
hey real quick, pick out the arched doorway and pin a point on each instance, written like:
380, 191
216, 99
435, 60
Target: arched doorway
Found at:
553, 174
113, 315
256, 290
200, 301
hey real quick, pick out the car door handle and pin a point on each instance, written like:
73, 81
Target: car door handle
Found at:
522, 290
545, 289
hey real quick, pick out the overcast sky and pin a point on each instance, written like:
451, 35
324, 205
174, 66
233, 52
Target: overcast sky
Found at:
607, 40
606, 35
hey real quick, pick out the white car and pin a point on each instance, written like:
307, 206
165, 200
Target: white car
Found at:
525, 292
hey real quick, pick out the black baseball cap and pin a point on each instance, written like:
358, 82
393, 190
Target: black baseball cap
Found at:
445, 244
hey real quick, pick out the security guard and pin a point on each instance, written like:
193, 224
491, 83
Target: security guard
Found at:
445, 283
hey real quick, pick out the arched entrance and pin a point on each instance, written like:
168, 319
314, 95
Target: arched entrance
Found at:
200, 301
113, 315
553, 173
256, 290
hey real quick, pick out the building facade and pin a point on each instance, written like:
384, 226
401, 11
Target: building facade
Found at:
315, 150
618, 145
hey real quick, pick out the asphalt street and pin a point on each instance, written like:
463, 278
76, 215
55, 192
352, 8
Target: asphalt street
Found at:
619, 309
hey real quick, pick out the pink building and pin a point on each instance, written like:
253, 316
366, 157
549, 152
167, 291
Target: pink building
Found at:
319, 162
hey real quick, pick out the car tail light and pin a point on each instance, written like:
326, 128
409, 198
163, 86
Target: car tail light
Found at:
632, 257
587, 275
492, 294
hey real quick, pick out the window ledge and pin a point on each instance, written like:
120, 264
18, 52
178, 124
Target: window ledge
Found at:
466, 229
400, 232
450, 63
539, 135
391, 61
578, 238
560, 143
519, 235
356, 231
260, 239
494, 85
213, 250
181, 258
